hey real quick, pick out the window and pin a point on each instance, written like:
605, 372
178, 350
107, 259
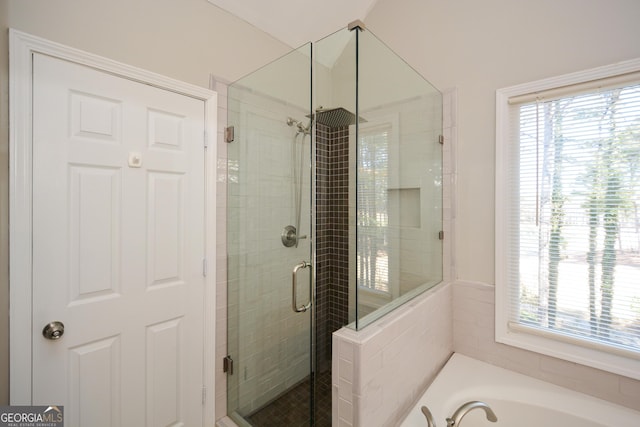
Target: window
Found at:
373, 220
568, 217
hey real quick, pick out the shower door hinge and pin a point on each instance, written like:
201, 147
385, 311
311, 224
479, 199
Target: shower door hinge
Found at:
227, 365
206, 139
441, 139
204, 267
229, 134
204, 395
441, 235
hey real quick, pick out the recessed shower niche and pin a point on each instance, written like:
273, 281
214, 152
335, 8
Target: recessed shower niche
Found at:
334, 215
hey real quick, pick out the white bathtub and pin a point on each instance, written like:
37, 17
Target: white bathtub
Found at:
517, 400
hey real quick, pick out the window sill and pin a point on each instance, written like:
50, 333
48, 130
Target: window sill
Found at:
610, 359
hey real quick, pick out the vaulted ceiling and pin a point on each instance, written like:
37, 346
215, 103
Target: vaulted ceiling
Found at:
296, 22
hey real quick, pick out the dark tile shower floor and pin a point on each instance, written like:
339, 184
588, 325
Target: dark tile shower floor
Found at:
292, 408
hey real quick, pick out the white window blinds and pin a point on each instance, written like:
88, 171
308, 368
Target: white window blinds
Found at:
372, 209
573, 223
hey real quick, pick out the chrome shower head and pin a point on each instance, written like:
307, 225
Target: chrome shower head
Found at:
301, 128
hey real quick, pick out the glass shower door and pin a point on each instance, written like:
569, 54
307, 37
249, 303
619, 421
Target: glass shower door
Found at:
269, 332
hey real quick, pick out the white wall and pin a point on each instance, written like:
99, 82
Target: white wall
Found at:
185, 39
479, 47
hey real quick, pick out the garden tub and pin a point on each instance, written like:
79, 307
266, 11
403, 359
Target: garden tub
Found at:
516, 400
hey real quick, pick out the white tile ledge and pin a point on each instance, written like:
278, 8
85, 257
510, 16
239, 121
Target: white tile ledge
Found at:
366, 333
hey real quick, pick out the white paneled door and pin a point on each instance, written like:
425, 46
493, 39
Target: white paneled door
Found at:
118, 247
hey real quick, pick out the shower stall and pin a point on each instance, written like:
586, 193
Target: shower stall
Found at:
334, 215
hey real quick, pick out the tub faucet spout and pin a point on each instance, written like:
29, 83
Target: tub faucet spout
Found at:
455, 419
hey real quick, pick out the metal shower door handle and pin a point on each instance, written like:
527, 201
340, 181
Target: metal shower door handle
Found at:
294, 288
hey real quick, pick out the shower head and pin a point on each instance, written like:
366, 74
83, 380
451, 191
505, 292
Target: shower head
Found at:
301, 128
335, 117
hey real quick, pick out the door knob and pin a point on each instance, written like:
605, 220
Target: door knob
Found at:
53, 330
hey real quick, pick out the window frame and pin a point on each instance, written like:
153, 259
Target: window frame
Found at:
519, 335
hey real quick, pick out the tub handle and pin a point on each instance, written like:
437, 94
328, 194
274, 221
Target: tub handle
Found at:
428, 416
294, 289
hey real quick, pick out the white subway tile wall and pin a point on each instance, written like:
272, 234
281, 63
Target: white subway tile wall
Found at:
380, 371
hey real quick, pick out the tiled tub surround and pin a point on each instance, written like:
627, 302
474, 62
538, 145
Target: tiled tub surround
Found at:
516, 400
473, 332
380, 371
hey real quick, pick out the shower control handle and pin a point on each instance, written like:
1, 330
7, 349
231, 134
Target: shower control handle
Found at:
294, 289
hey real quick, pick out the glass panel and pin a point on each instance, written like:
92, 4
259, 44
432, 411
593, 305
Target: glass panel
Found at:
268, 190
399, 181
376, 190
385, 201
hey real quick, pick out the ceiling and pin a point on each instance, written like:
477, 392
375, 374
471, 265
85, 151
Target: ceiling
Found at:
296, 22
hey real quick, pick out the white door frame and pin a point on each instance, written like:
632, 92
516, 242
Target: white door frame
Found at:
22, 47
